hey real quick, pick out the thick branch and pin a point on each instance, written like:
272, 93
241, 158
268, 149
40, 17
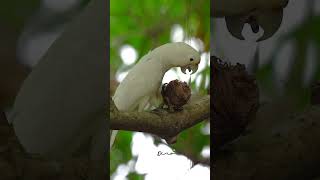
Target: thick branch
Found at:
160, 122
287, 148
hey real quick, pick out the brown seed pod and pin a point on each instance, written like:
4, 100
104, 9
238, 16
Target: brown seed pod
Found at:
175, 94
235, 100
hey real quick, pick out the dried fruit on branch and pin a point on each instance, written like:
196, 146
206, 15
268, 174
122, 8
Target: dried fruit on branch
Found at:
175, 94
235, 100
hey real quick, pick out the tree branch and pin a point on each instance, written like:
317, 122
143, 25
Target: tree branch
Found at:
159, 121
284, 149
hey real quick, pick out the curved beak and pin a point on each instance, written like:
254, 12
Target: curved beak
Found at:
269, 21
192, 67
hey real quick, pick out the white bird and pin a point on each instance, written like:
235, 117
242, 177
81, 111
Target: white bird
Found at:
62, 103
263, 14
140, 88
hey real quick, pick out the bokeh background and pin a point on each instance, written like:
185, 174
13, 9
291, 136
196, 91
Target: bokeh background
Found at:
135, 29
34, 25
287, 64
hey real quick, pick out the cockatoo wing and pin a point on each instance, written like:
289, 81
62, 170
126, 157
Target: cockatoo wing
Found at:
138, 87
62, 102
142, 81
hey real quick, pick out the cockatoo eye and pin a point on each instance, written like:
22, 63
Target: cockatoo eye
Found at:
191, 59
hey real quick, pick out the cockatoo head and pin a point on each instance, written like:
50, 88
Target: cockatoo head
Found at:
180, 54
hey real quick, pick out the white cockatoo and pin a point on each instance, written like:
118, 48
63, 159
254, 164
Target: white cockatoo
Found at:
62, 103
141, 87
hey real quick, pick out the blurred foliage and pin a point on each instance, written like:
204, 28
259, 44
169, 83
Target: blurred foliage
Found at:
13, 16
49, 20
121, 152
294, 87
17, 16
15, 13
145, 25
194, 139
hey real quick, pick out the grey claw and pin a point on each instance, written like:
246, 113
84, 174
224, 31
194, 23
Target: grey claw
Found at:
269, 22
235, 25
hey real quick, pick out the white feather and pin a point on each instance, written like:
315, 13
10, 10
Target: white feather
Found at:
62, 103
140, 87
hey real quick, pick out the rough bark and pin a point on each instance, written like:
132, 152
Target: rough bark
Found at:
161, 122
16, 164
286, 149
